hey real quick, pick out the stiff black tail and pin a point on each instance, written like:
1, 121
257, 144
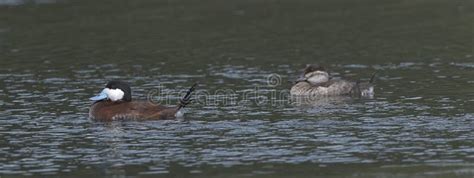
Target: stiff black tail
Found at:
372, 78
365, 89
187, 98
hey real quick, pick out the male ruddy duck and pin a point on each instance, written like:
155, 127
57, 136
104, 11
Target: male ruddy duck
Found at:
316, 81
115, 103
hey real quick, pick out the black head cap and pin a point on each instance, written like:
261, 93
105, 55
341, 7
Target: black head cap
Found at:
313, 67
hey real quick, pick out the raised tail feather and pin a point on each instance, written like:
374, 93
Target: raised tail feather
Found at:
372, 78
187, 98
365, 88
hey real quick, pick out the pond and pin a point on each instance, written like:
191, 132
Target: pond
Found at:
244, 54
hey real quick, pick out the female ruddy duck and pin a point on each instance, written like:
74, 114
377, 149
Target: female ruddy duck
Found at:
115, 103
316, 81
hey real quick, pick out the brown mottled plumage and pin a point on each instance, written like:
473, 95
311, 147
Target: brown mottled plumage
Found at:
315, 81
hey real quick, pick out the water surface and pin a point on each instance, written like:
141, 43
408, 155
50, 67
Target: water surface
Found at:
54, 55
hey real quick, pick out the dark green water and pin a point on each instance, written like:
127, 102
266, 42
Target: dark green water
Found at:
54, 55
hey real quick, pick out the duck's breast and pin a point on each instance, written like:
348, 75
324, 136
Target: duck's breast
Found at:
137, 110
108, 111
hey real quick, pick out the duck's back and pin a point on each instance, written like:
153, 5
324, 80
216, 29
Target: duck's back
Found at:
331, 88
135, 110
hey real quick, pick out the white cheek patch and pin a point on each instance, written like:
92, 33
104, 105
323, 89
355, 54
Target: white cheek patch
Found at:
317, 77
114, 94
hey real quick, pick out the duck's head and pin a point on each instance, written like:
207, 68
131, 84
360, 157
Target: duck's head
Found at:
314, 74
115, 91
